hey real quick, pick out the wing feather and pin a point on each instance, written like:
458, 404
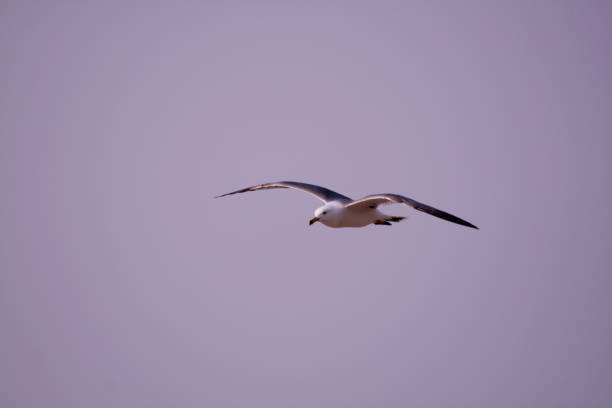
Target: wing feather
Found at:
321, 193
381, 199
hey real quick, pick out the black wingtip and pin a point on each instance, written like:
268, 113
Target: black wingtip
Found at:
228, 194
460, 221
233, 192
464, 223
444, 215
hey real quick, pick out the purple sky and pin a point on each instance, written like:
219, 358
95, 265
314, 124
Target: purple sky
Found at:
123, 284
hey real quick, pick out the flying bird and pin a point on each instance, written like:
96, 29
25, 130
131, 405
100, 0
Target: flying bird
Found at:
340, 211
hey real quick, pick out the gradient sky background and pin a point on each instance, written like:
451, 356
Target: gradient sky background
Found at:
124, 284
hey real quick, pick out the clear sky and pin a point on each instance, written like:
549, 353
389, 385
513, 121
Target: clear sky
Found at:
124, 284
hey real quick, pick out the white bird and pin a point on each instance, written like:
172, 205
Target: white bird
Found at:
340, 211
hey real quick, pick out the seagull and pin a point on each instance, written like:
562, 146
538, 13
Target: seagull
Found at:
341, 212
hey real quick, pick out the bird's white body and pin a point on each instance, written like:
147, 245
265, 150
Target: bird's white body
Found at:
334, 214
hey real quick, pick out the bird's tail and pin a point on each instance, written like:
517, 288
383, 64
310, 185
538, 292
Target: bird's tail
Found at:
388, 220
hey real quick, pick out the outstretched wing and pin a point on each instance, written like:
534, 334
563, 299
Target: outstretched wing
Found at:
374, 201
321, 193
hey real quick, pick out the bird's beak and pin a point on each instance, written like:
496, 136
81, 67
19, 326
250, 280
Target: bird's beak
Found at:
315, 219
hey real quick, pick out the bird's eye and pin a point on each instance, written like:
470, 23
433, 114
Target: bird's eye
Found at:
324, 212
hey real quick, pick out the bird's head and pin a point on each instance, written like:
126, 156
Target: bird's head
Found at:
328, 214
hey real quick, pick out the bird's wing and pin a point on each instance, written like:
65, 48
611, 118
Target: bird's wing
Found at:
321, 193
373, 201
